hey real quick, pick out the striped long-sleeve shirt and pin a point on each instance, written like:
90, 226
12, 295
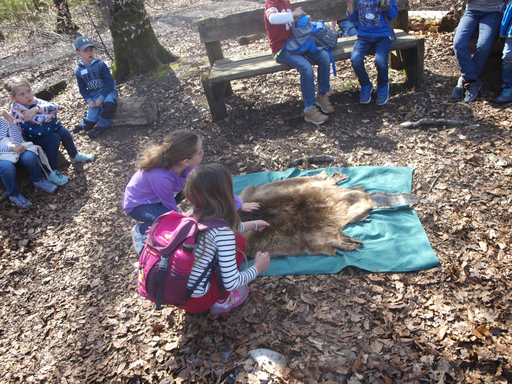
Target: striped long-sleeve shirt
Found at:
220, 239
9, 130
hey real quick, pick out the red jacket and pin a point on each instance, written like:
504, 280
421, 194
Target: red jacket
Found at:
278, 34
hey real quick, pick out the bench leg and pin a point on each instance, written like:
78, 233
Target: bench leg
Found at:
215, 97
414, 63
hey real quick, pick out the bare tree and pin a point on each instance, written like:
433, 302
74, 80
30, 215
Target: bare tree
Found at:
136, 48
64, 22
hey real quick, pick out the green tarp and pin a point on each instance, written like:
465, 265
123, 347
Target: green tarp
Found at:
393, 238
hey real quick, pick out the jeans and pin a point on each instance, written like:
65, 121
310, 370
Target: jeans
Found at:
303, 63
94, 114
507, 60
147, 213
29, 160
488, 25
51, 143
362, 46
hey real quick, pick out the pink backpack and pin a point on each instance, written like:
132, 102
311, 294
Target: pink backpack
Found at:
163, 238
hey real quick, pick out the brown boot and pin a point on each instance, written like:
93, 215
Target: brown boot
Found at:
315, 116
324, 104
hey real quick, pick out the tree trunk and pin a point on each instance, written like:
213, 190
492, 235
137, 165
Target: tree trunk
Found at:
64, 23
136, 48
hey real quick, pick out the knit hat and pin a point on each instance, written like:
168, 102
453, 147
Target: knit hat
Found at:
83, 42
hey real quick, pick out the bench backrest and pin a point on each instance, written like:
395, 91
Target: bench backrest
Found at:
214, 30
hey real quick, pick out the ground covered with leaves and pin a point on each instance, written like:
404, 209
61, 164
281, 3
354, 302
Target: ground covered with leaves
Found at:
69, 303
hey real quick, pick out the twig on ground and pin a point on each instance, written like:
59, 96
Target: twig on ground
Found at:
434, 182
430, 122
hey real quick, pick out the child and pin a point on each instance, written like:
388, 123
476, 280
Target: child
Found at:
373, 33
278, 20
97, 87
484, 16
38, 121
162, 172
506, 32
209, 188
10, 130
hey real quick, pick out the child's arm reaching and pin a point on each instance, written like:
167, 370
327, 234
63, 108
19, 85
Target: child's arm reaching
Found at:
249, 207
255, 225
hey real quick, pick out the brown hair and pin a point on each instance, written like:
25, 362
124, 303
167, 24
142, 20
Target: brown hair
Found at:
177, 146
209, 188
12, 83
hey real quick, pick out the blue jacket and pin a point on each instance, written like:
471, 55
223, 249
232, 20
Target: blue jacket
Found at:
371, 20
507, 16
93, 79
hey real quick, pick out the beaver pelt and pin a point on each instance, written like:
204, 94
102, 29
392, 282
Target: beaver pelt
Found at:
307, 214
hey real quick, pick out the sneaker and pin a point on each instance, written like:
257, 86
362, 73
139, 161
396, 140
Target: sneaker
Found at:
324, 104
235, 298
95, 132
78, 128
137, 239
57, 178
315, 116
20, 201
366, 94
383, 94
45, 185
82, 158
506, 96
458, 91
472, 90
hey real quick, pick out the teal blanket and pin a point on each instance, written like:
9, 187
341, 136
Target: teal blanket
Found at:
393, 238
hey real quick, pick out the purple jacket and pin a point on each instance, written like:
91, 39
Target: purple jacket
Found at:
157, 185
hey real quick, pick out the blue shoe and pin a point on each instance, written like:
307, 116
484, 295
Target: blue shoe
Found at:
472, 90
383, 94
45, 185
57, 178
458, 91
82, 158
366, 94
20, 201
506, 96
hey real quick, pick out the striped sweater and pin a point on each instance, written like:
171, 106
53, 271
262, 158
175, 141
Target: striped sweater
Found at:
220, 239
9, 130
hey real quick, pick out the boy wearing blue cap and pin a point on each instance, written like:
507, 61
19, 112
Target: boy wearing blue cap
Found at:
97, 87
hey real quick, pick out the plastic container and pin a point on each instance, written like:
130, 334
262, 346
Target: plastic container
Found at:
183, 260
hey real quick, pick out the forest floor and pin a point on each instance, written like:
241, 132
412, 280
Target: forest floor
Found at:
69, 304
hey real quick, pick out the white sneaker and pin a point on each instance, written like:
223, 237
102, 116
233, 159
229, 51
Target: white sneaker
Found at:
137, 239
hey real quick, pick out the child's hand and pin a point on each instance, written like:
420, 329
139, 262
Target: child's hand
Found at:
98, 103
261, 225
18, 148
262, 261
92, 104
6, 115
29, 114
249, 207
298, 12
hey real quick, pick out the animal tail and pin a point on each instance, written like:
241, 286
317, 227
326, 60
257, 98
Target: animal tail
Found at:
386, 200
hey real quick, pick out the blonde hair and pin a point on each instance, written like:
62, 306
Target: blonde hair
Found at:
177, 146
209, 188
12, 83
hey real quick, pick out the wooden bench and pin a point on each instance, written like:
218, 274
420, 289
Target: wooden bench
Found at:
213, 31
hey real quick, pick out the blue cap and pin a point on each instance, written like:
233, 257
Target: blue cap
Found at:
303, 21
83, 42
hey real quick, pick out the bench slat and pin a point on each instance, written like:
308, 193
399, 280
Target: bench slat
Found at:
260, 64
253, 22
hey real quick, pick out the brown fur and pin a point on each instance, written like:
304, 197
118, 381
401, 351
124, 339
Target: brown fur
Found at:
306, 215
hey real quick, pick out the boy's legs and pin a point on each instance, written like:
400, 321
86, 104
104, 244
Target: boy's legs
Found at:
382, 48
108, 109
359, 52
67, 142
323, 60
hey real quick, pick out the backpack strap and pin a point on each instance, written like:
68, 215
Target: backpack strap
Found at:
160, 280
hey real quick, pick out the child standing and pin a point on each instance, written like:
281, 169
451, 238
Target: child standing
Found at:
11, 137
278, 20
163, 170
97, 87
209, 188
38, 121
373, 33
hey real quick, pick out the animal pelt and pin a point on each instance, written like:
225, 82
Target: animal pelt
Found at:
308, 214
